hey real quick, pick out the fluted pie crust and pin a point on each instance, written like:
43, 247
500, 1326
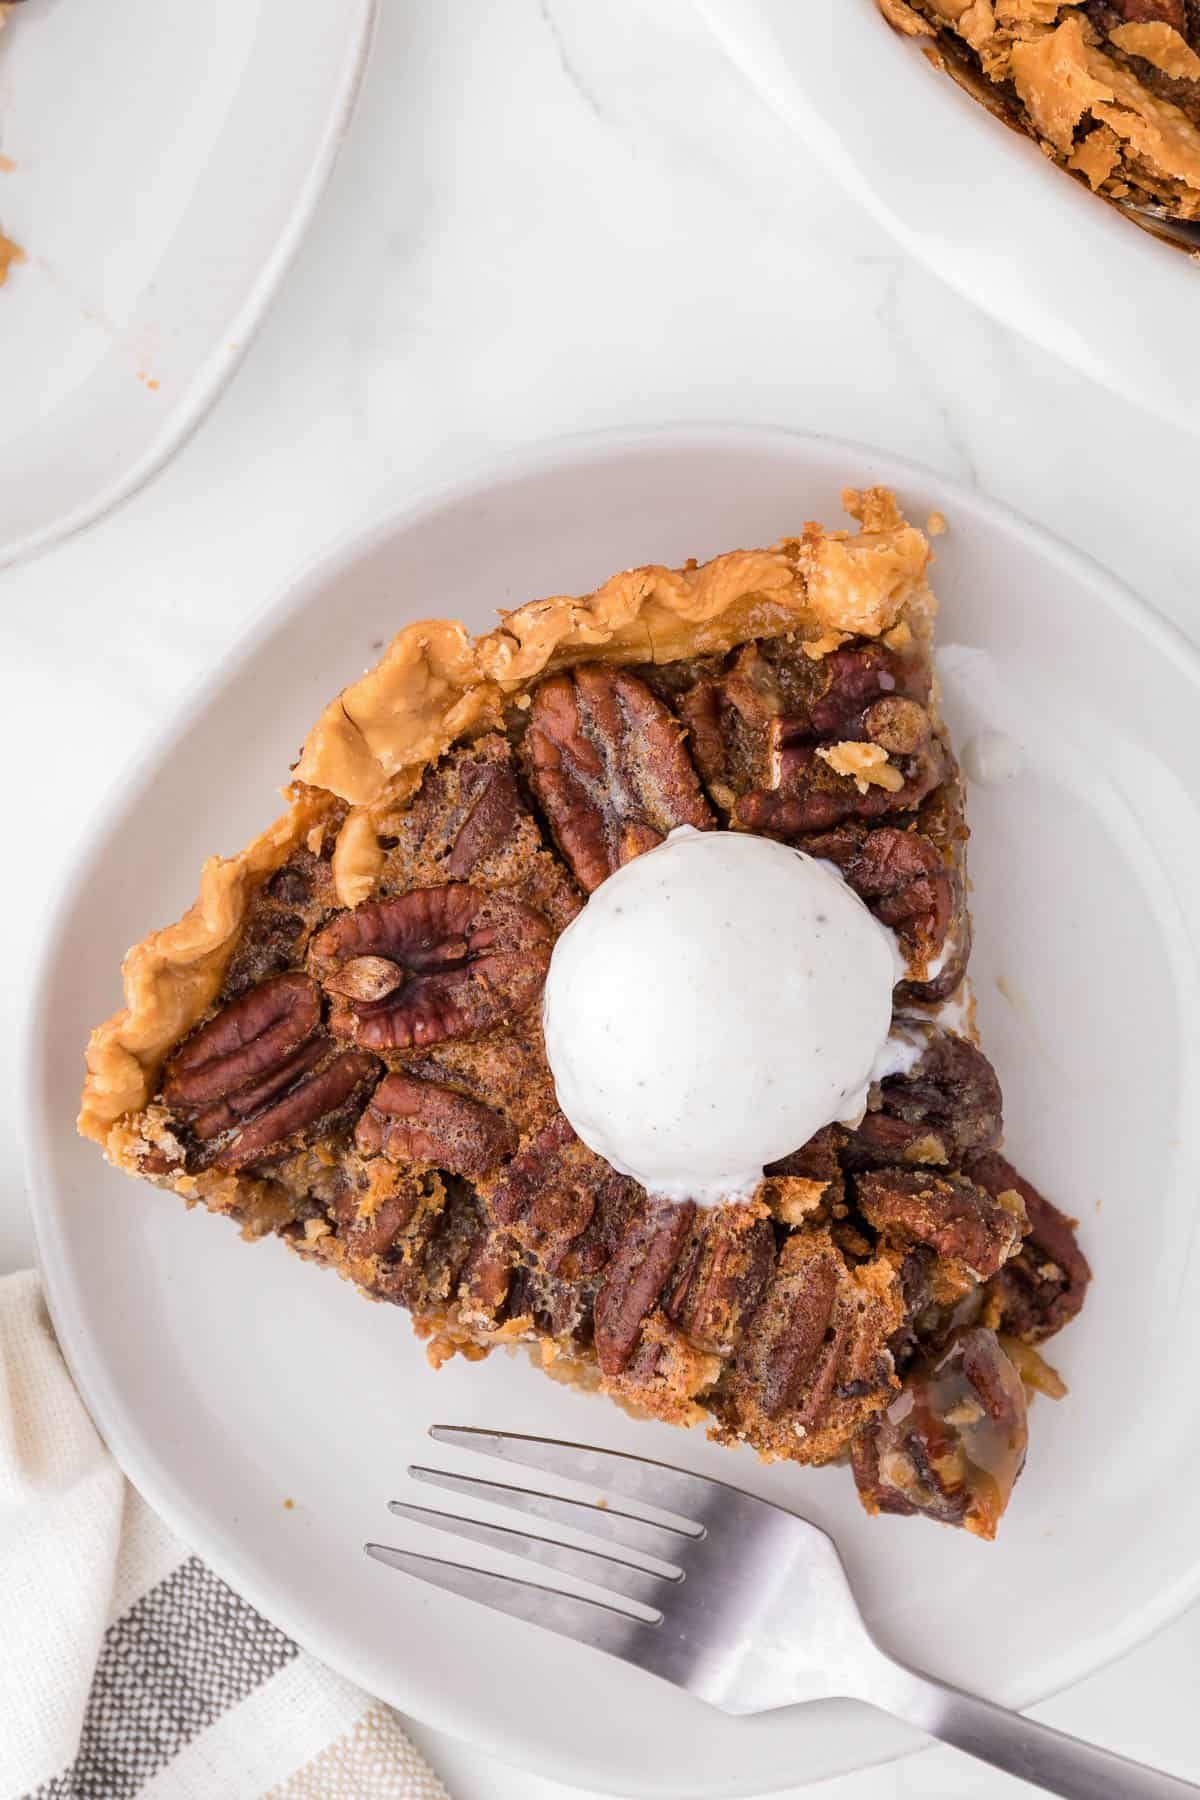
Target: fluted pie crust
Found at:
436, 686
341, 1040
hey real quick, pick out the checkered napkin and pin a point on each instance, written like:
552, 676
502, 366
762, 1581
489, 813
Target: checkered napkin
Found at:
126, 1666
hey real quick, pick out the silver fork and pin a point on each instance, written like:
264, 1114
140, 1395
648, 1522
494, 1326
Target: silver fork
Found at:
1160, 223
741, 1603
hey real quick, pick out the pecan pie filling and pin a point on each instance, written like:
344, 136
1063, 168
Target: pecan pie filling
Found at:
1110, 89
342, 1041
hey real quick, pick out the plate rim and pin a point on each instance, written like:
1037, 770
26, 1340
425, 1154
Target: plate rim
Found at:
235, 334
136, 1455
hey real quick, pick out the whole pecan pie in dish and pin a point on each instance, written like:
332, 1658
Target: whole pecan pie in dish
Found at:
342, 1041
1110, 89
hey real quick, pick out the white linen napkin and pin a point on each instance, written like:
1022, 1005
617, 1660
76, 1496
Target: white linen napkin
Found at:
126, 1666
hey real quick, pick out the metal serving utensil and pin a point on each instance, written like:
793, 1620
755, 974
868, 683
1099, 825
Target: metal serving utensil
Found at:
735, 1600
1160, 223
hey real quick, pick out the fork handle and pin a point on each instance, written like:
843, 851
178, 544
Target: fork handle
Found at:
1037, 1753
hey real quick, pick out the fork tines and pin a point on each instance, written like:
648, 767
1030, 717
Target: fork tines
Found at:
623, 1577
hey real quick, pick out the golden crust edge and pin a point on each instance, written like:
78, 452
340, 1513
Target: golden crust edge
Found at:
174, 975
435, 685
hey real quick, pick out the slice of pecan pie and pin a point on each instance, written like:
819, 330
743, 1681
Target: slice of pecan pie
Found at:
341, 1042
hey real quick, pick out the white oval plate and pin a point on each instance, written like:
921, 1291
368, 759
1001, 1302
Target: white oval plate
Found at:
973, 199
168, 158
229, 1379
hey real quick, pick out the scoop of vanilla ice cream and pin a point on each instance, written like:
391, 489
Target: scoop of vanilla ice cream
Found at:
717, 1001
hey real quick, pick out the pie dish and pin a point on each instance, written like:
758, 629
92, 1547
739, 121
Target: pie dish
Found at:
1110, 89
340, 1042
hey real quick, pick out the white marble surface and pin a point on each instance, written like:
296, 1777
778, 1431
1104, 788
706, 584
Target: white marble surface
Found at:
550, 217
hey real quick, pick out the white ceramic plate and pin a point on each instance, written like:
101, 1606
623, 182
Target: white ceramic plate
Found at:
228, 1379
168, 157
975, 200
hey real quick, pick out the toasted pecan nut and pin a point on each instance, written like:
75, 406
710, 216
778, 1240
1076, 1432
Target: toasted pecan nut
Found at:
609, 767
732, 722
489, 812
793, 1325
468, 810
809, 795
365, 978
701, 711
1150, 12
225, 1114
245, 1043
815, 1359
897, 725
311, 1103
465, 961
900, 874
636, 1276
955, 1217
815, 1161
563, 1202
372, 1214
720, 1277
1042, 1287
486, 1279
952, 1444
422, 1122
947, 1107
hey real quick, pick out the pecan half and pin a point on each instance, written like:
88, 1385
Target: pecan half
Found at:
940, 820
900, 874
562, 1309
857, 677
946, 1107
957, 1219
411, 1121
732, 723
952, 1444
462, 961
486, 1280
246, 1043
609, 767
468, 809
563, 1202
1043, 1286
815, 1358
897, 725
228, 1112
635, 1278
313, 1102
795, 1326
720, 1277
1148, 12
370, 1221
808, 795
